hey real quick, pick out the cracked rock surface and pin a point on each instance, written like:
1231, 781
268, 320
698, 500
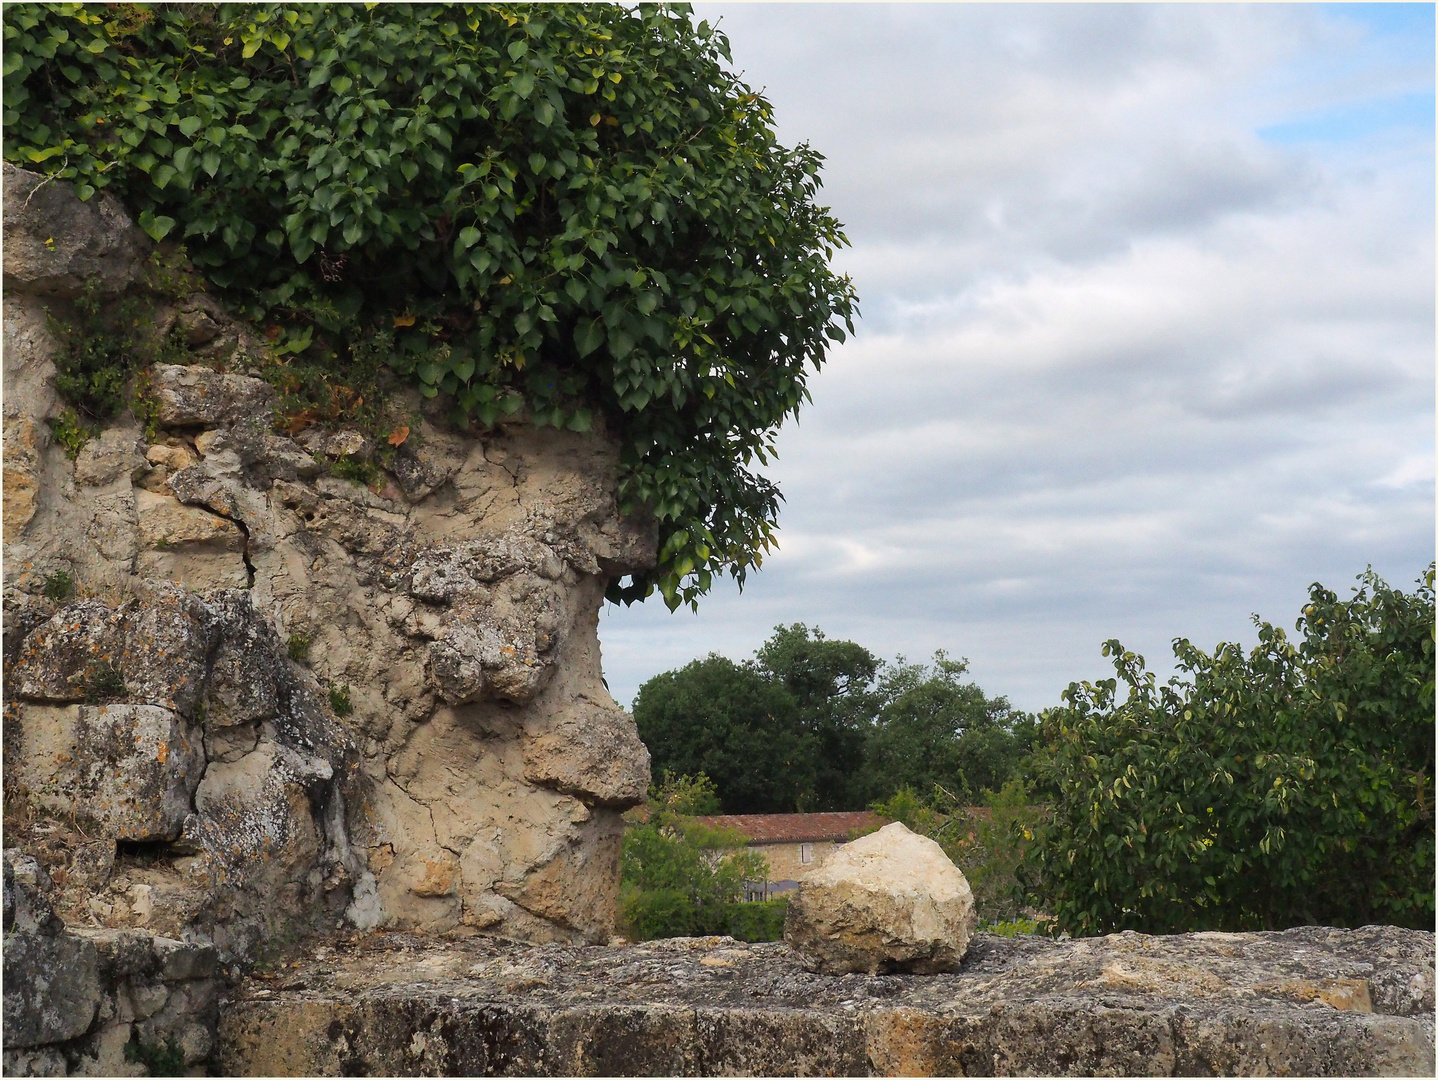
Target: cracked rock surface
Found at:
248, 698
1310, 1001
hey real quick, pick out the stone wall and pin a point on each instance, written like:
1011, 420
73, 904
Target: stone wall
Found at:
1313, 1001
100, 1002
172, 767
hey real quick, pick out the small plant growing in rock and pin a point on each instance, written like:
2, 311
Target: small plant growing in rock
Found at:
104, 683
161, 1059
71, 433
340, 700
356, 469
298, 647
59, 586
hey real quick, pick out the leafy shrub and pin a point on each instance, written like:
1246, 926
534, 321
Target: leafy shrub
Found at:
989, 849
550, 207
1291, 785
59, 586
298, 647
159, 1058
102, 351
761, 920
71, 433
679, 876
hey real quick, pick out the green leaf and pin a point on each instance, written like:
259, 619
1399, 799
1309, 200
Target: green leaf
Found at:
189, 125
469, 236
589, 335
158, 227
162, 175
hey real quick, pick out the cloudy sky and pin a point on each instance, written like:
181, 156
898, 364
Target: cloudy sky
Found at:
1147, 341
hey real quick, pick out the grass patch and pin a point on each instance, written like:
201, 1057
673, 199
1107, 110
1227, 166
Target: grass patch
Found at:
340, 700
161, 1059
298, 647
59, 586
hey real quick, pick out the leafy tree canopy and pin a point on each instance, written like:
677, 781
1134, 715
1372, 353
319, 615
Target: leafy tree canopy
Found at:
935, 729
554, 208
814, 724
680, 876
1289, 785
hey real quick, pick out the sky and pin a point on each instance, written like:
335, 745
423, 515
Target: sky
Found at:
1147, 331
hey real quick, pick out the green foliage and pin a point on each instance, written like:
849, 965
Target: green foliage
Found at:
103, 682
356, 469
340, 701
679, 876
989, 849
732, 723
102, 351
813, 724
1289, 785
59, 586
554, 209
160, 1059
831, 685
935, 730
1011, 927
298, 647
71, 433
761, 920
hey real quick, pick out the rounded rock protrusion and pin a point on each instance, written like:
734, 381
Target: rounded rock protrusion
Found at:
889, 901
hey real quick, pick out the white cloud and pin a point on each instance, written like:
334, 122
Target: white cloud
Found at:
1125, 368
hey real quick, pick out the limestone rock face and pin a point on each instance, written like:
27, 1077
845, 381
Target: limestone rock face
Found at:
247, 697
54, 243
51, 986
889, 901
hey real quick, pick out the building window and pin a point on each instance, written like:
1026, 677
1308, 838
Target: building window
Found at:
806, 853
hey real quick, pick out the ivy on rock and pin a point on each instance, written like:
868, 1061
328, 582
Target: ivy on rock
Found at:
537, 209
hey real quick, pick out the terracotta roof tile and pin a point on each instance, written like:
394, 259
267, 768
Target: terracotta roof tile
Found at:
793, 828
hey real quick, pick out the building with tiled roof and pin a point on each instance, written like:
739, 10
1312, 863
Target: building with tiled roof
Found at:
794, 843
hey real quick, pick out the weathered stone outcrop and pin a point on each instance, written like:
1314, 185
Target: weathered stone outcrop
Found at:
1312, 1001
889, 901
98, 1002
246, 697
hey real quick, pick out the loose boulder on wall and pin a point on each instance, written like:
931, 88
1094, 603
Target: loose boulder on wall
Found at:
889, 901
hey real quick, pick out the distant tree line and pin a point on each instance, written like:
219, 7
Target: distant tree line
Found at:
1289, 784
812, 724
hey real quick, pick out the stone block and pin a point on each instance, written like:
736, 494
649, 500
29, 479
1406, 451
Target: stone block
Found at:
54, 243
169, 635
113, 454
61, 659
136, 770
197, 395
246, 671
889, 901
51, 988
593, 751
